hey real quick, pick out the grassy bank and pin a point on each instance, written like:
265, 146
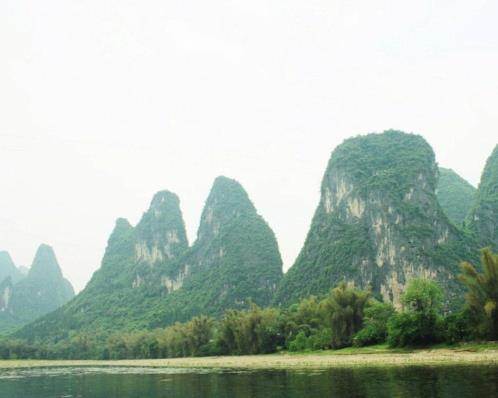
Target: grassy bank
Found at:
375, 356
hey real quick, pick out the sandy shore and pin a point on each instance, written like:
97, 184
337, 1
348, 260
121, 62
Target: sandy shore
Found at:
290, 361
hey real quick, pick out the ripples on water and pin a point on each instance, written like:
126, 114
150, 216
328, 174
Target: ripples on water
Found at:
121, 382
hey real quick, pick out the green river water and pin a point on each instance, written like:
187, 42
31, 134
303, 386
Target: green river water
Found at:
451, 382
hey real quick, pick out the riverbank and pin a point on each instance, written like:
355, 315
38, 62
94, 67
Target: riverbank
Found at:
377, 356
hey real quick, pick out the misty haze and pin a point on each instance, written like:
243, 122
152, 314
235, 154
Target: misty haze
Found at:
189, 187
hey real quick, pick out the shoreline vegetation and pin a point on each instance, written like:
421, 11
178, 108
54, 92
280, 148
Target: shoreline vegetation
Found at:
373, 356
348, 320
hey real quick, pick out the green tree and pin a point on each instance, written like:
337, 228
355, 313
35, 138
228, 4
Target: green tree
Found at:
199, 332
343, 312
253, 331
482, 294
419, 322
305, 316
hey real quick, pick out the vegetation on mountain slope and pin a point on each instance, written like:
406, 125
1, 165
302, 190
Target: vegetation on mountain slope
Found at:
455, 195
483, 218
346, 316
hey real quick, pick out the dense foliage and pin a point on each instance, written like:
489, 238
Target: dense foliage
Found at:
455, 195
482, 296
311, 324
345, 317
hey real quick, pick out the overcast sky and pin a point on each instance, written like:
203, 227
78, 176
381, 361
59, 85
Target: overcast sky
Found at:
105, 102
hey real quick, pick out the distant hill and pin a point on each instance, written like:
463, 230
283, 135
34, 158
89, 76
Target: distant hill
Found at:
41, 291
455, 195
8, 268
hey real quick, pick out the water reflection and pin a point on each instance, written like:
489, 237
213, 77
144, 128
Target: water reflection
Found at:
413, 382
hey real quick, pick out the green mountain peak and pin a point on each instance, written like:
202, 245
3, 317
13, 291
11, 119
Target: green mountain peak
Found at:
226, 202
378, 223
45, 265
161, 234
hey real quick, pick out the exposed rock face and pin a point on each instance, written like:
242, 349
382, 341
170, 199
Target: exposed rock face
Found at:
43, 290
160, 240
378, 223
160, 235
483, 218
150, 277
5, 295
455, 195
8, 268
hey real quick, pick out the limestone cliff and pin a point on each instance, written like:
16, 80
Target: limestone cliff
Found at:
378, 222
160, 234
5, 295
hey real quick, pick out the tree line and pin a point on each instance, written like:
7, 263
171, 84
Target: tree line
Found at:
345, 317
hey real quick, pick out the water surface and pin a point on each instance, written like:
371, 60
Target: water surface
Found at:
451, 382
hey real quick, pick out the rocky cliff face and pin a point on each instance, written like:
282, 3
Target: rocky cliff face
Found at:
150, 277
138, 257
160, 234
124, 292
235, 259
5, 295
483, 218
43, 290
455, 195
378, 222
7, 320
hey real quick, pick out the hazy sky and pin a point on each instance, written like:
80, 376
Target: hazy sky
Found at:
105, 102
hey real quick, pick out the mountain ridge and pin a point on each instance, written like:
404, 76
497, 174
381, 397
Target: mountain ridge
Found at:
150, 277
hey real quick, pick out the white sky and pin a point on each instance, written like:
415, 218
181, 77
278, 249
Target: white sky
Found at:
105, 102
